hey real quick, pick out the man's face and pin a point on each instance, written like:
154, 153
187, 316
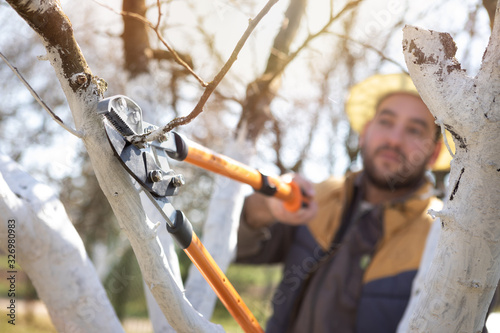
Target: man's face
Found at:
398, 144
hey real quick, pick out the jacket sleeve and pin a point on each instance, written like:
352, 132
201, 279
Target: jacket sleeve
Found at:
264, 245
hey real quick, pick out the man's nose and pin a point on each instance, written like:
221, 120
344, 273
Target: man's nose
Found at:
395, 136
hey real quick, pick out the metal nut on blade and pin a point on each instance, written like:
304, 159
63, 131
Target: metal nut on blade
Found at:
155, 176
178, 180
149, 129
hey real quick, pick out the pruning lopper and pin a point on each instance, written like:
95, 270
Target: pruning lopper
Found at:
148, 165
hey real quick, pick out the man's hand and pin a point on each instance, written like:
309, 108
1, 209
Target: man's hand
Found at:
261, 210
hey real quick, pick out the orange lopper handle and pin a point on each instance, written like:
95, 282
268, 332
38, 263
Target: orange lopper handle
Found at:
221, 285
205, 158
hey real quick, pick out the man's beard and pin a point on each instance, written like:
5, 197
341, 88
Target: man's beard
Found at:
406, 176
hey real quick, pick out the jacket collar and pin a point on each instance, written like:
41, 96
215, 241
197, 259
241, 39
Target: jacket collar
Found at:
334, 197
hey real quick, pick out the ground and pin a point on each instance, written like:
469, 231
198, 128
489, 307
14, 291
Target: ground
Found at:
40, 321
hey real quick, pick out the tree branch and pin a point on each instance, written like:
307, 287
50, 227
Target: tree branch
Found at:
260, 93
58, 120
155, 28
48, 20
431, 54
380, 53
464, 272
490, 6
311, 37
82, 93
157, 134
52, 253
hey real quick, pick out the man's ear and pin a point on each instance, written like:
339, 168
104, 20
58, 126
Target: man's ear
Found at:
435, 153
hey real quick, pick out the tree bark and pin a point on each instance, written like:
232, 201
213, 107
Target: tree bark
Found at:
83, 92
51, 252
464, 273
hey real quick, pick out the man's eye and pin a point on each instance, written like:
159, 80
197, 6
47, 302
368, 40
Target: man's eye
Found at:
415, 131
384, 122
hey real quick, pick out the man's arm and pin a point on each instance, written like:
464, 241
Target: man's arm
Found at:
260, 210
256, 211
267, 228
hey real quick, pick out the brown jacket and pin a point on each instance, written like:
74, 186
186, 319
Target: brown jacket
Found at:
344, 290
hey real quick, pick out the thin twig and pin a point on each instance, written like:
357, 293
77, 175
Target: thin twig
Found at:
158, 5
144, 20
157, 134
370, 47
311, 37
58, 120
209, 87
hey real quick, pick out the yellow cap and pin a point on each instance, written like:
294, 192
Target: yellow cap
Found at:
365, 96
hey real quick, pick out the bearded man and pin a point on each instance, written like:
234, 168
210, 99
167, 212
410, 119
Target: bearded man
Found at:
351, 254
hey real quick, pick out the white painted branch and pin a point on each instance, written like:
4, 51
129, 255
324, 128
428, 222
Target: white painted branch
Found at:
83, 92
464, 273
52, 253
142, 233
443, 82
221, 227
156, 316
418, 282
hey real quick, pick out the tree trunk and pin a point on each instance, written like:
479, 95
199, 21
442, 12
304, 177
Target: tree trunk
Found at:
135, 38
418, 283
51, 252
156, 316
464, 273
220, 230
83, 91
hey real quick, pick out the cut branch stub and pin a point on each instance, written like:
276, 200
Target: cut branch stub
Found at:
423, 56
51, 23
441, 82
